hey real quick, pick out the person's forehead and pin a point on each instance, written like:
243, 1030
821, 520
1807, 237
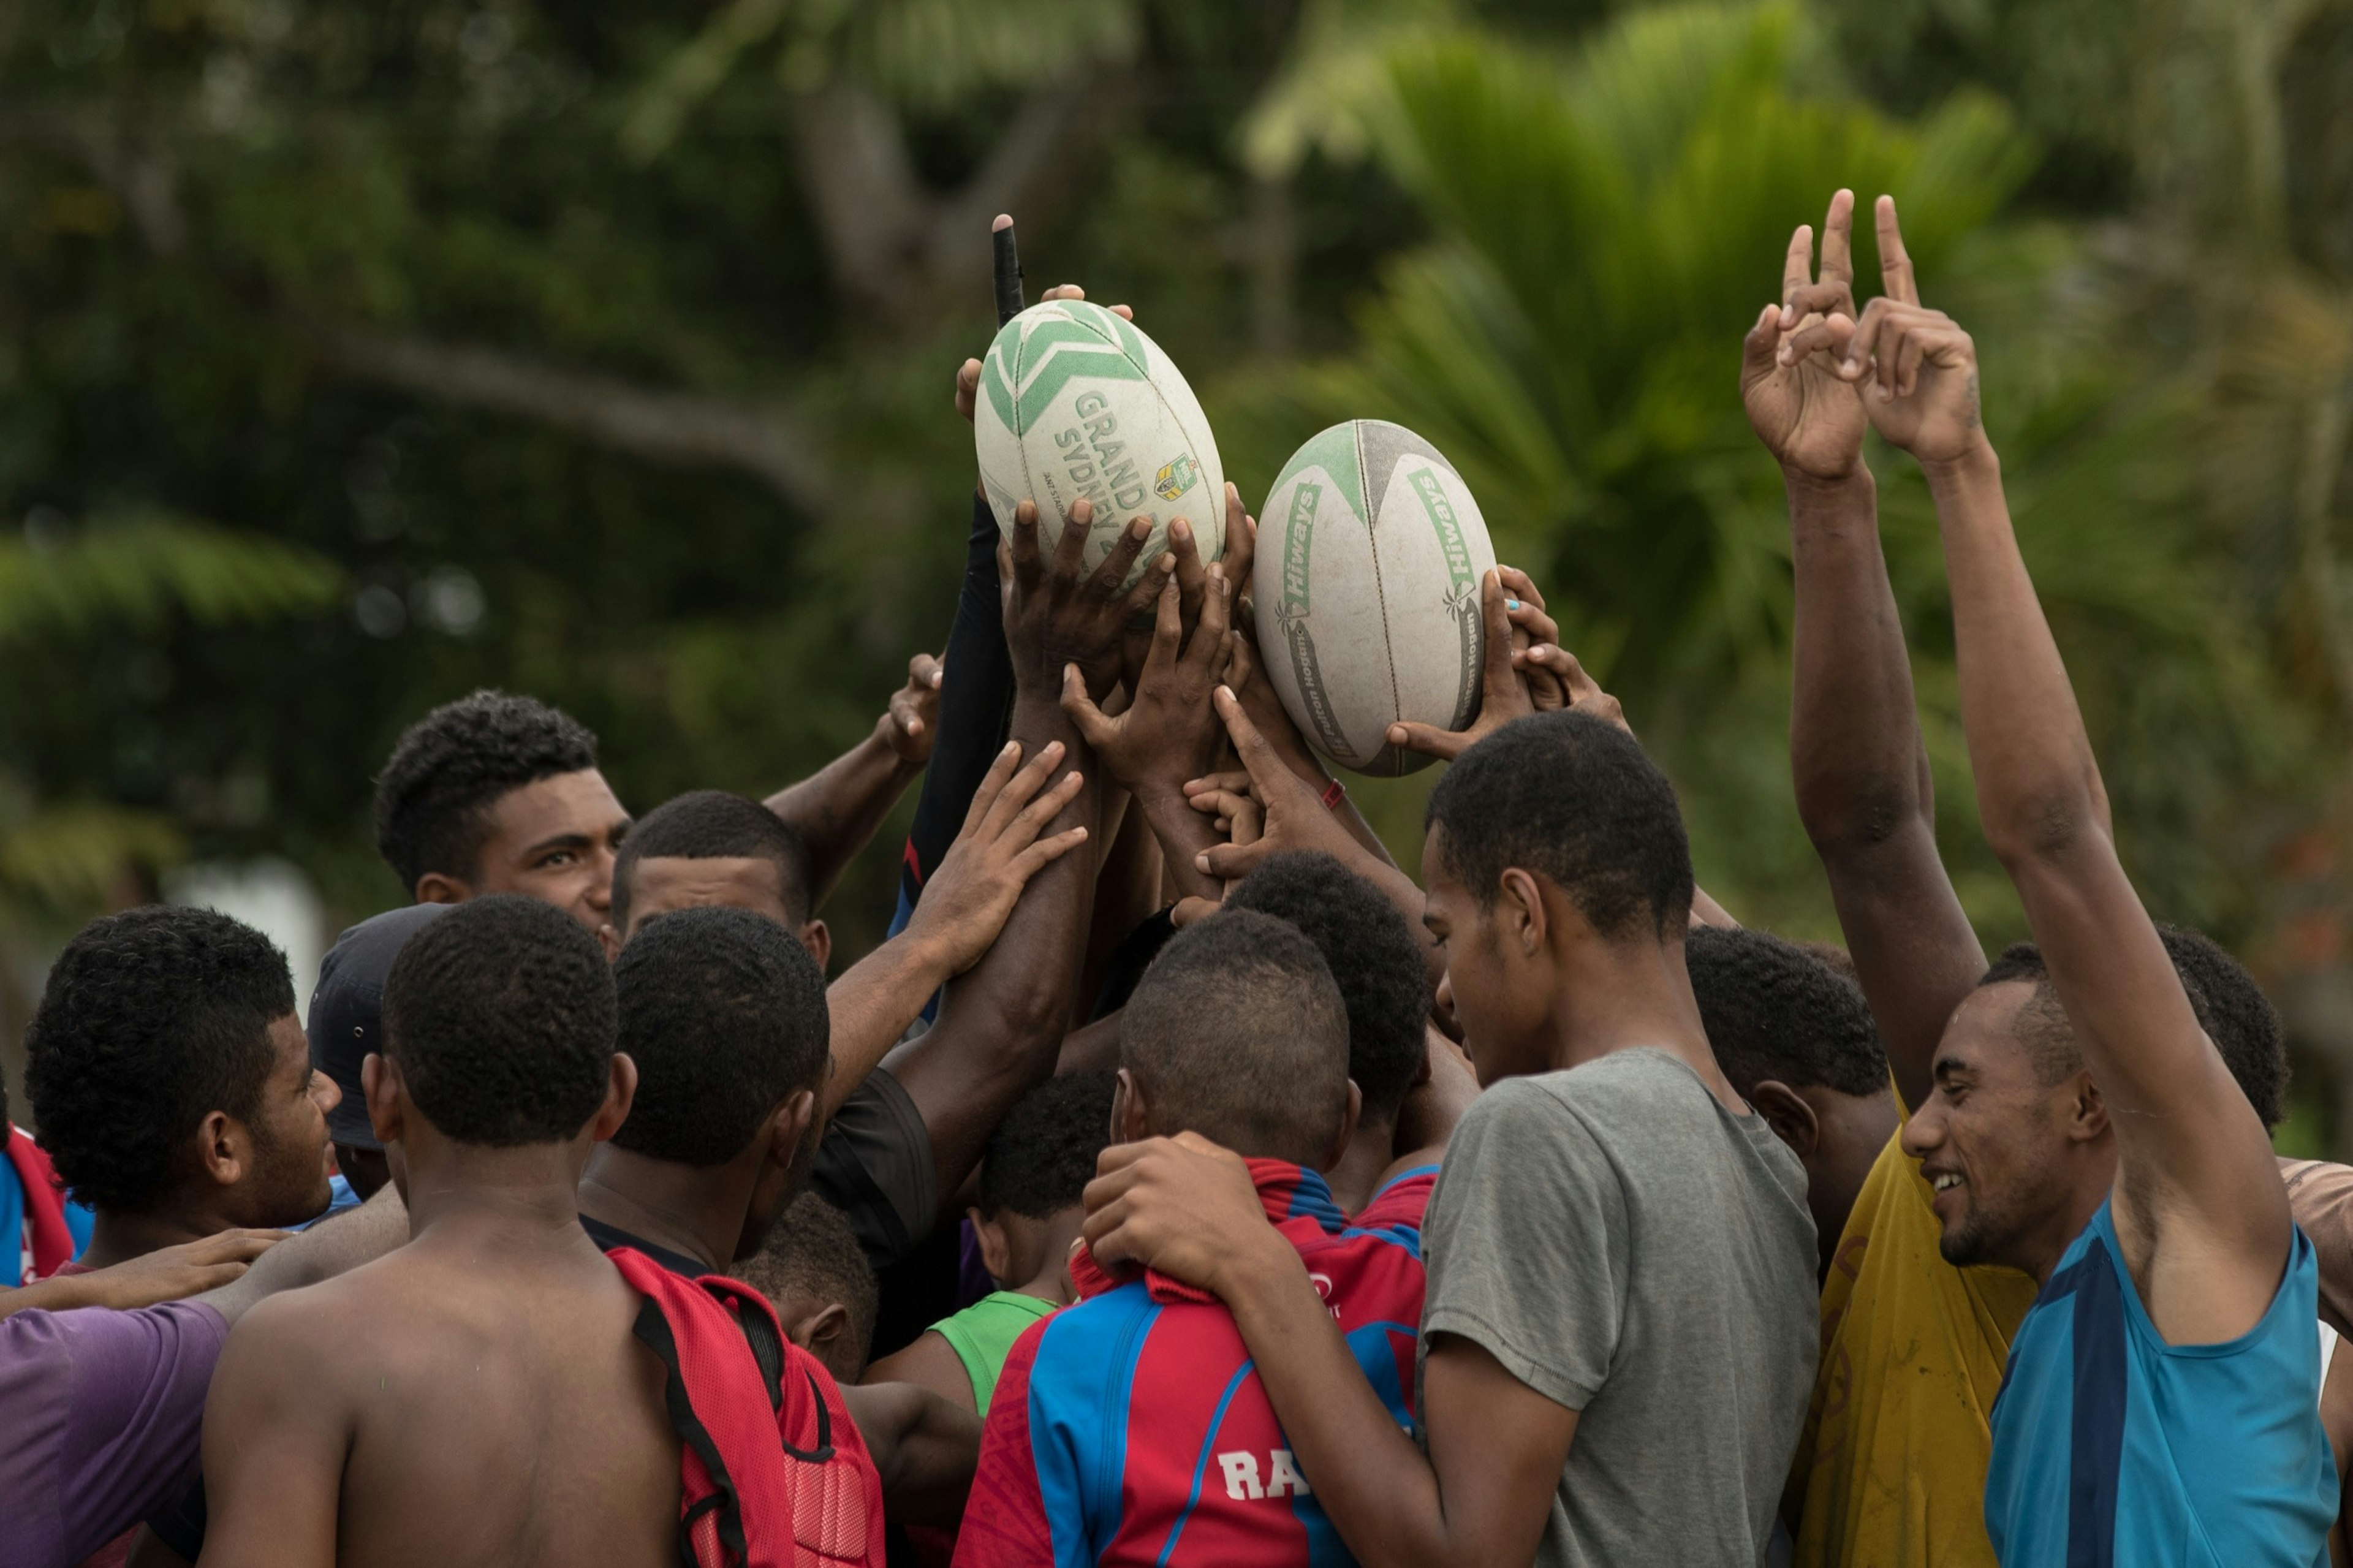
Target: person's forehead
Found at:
1438, 879
663, 882
287, 1039
1982, 1034
559, 806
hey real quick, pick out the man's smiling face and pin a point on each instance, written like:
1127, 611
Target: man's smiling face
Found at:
1993, 1139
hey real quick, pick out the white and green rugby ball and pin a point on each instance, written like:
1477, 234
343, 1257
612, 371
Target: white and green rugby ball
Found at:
1076, 403
1370, 553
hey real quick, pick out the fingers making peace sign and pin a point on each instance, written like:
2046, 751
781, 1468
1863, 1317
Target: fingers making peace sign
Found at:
1802, 408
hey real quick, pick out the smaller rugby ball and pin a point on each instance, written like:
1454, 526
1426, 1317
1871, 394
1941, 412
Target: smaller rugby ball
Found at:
1370, 553
1075, 402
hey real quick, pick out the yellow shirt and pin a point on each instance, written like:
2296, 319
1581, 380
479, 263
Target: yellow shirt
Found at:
1890, 1471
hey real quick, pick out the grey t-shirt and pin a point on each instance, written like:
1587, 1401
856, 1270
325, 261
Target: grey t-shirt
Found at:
1628, 1248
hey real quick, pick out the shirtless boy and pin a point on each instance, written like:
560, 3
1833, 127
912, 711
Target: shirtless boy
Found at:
502, 1412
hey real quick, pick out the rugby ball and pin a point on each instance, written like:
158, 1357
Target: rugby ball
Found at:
1075, 402
1370, 553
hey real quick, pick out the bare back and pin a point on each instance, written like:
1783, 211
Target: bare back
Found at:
452, 1405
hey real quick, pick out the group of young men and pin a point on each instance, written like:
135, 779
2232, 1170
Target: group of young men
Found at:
1182, 1182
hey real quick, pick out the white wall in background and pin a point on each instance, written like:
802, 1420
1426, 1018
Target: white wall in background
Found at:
270, 895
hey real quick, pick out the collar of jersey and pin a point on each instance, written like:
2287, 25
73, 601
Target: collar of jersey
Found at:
1287, 1192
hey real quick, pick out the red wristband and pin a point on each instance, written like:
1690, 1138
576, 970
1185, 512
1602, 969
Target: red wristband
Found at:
1335, 794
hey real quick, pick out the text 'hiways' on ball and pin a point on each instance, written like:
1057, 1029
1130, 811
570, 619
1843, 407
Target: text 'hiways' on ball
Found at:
1370, 553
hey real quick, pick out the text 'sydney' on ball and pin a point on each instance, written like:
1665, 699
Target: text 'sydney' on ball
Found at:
1076, 402
1370, 553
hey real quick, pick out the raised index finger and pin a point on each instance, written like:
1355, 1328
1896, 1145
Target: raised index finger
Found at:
1838, 240
1797, 266
1895, 278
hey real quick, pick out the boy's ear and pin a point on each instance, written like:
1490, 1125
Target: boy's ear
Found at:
820, 942
611, 941
224, 1148
380, 1086
1789, 1115
438, 888
621, 1092
819, 1327
996, 1249
792, 1126
2088, 1113
1131, 1120
1347, 1127
1521, 916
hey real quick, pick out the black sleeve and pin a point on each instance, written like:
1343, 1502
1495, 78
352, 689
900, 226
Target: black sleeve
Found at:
975, 706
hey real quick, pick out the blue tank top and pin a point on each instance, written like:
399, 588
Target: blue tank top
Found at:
2111, 1446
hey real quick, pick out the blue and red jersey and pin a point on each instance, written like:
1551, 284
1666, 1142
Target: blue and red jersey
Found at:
1132, 1428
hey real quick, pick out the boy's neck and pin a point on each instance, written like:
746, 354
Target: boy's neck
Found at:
695, 1210
501, 1199
1371, 1150
117, 1237
1626, 994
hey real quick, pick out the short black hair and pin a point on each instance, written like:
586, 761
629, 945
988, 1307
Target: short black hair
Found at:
709, 825
151, 1021
500, 1015
2230, 1006
448, 770
1374, 958
1772, 1010
723, 1012
1042, 1155
811, 1247
1237, 1032
1574, 799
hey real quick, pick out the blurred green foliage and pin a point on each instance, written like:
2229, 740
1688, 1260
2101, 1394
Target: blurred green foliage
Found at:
602, 352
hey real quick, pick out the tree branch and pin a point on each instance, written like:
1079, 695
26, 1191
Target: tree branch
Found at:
667, 426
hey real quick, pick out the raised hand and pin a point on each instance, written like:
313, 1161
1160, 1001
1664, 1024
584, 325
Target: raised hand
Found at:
914, 711
1503, 692
1584, 693
1916, 368
1294, 816
968, 899
1058, 614
1170, 731
1183, 556
1800, 406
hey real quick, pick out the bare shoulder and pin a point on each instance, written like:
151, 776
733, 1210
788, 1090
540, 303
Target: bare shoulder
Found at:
929, 1362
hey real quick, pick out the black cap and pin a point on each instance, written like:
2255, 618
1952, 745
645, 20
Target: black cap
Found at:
347, 1011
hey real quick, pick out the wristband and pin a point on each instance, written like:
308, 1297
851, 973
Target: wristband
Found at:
1335, 794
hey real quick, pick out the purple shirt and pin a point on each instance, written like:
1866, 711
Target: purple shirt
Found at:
101, 1416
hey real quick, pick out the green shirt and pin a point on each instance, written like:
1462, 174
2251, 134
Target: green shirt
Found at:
982, 1336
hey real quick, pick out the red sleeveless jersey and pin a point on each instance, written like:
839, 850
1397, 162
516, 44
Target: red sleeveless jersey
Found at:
736, 1386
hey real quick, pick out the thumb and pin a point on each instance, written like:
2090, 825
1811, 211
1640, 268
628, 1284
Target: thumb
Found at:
1232, 862
1499, 676
1428, 739
1758, 348
1082, 709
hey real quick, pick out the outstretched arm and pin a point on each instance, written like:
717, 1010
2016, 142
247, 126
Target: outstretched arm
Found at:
1002, 1025
923, 1446
835, 810
965, 905
1860, 769
2199, 1207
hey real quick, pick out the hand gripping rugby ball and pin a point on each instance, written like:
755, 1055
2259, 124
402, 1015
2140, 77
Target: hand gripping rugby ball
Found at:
1370, 553
1075, 402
